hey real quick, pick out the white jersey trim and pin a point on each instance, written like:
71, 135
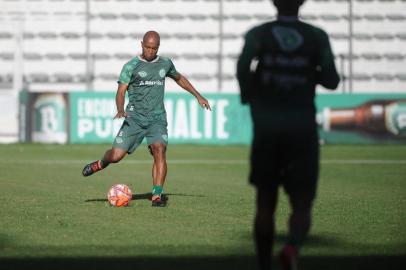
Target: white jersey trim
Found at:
143, 60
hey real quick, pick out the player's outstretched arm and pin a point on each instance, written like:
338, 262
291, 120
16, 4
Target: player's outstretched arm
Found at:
246, 66
185, 84
327, 74
120, 98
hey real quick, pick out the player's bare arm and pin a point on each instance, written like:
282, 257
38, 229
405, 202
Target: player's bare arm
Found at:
120, 98
183, 82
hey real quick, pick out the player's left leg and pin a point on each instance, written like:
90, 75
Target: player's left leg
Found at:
157, 140
159, 170
299, 226
300, 218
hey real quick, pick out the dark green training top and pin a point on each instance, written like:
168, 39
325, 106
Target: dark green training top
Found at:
281, 63
146, 84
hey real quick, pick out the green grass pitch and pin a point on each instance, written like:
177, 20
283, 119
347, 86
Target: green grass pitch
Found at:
53, 218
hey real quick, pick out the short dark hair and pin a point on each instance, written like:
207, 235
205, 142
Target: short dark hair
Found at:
288, 5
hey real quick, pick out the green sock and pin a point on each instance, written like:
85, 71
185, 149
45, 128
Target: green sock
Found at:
157, 190
104, 163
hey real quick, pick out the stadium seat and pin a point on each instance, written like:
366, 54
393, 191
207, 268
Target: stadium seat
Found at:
363, 36
5, 56
55, 56
28, 35
383, 76
123, 56
192, 56
6, 78
200, 76
71, 35
130, 16
6, 35
94, 35
371, 56
206, 36
330, 17
361, 77
77, 56
401, 76
80, 78
396, 17
394, 56
116, 35
401, 36
62, 78
37, 78
107, 76
105, 16
101, 56
373, 17
47, 35
383, 36
32, 56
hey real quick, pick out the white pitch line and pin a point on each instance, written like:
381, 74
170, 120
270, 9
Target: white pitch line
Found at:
363, 161
205, 161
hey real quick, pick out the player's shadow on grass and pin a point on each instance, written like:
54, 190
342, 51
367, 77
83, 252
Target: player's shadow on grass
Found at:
148, 196
313, 240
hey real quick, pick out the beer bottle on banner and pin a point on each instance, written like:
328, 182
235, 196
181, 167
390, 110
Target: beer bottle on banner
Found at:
49, 118
378, 118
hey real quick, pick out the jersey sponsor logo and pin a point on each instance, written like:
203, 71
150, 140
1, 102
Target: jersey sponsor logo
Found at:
151, 83
142, 74
162, 73
289, 39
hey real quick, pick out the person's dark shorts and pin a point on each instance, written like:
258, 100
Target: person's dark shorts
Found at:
131, 134
288, 158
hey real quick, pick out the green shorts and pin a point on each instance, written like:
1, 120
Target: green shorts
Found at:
131, 135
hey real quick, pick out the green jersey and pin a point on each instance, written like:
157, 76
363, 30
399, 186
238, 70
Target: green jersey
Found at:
281, 63
146, 84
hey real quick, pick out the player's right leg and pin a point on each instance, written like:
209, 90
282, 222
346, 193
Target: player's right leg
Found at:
264, 226
128, 138
113, 155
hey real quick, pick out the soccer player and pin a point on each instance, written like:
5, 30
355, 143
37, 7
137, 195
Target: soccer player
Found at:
278, 69
143, 77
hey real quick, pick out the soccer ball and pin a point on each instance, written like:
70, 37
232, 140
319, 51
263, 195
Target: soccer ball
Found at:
119, 195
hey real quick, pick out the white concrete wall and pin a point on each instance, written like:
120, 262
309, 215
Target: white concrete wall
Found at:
8, 118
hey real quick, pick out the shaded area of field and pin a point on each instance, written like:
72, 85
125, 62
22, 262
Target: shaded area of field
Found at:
203, 263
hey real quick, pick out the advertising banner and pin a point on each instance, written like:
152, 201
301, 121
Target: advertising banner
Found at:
362, 118
43, 117
91, 119
87, 117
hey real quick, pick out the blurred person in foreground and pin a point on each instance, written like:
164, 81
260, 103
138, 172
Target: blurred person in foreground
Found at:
143, 77
278, 69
